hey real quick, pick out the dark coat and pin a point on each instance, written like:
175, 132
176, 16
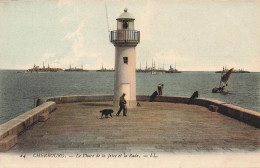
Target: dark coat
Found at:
152, 97
195, 95
122, 101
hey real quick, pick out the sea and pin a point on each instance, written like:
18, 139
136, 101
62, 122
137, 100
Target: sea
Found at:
19, 90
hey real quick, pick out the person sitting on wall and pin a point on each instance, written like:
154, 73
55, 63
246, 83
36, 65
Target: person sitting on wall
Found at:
155, 93
194, 95
122, 104
160, 88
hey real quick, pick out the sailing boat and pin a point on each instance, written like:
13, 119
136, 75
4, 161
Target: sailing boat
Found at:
223, 81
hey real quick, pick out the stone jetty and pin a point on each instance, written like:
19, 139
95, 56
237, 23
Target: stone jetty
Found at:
72, 124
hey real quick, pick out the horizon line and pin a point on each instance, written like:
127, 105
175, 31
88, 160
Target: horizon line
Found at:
113, 69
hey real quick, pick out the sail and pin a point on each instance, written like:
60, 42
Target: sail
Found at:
226, 77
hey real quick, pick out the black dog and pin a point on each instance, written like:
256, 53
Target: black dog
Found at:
106, 112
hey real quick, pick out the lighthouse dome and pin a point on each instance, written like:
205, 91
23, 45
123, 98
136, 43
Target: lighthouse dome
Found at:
126, 16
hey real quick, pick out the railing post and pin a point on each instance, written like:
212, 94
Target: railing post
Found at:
125, 35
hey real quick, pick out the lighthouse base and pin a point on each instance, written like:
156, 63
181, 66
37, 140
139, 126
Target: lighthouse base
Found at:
129, 104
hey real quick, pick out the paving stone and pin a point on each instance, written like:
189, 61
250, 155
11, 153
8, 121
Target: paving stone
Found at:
155, 126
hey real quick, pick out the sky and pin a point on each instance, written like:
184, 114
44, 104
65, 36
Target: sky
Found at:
195, 35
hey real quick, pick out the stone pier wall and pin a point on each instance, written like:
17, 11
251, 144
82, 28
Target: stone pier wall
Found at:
11, 129
20, 123
75, 98
248, 116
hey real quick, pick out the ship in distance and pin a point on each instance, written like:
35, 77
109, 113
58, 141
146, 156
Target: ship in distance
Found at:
234, 71
75, 69
38, 69
105, 69
153, 70
173, 70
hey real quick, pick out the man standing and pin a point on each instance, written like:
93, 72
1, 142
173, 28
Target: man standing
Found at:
122, 104
160, 88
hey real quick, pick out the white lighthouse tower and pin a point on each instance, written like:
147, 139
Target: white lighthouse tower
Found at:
125, 39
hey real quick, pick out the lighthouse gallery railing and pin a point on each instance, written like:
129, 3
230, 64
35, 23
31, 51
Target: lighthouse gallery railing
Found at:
125, 36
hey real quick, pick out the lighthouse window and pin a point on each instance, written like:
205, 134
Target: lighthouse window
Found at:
125, 25
125, 59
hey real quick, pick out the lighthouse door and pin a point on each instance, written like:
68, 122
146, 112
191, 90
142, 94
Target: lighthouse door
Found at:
126, 89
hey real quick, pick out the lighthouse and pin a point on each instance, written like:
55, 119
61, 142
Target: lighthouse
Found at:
125, 40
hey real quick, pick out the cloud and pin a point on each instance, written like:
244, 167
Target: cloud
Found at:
145, 19
68, 19
80, 58
95, 54
78, 54
65, 2
77, 32
98, 64
78, 46
48, 55
23, 67
44, 59
168, 56
62, 20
